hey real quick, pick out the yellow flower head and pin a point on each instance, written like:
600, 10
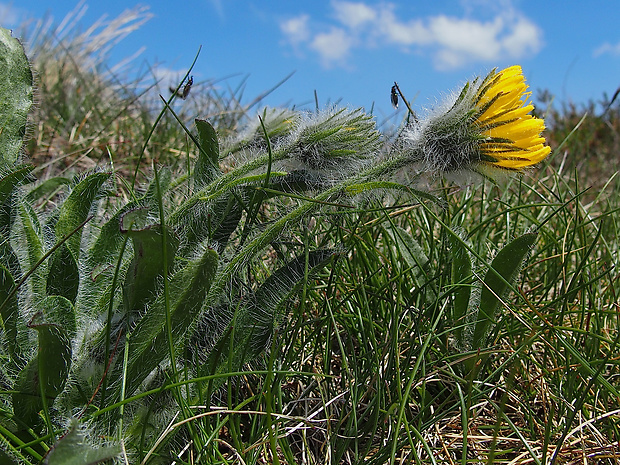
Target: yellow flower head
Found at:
490, 125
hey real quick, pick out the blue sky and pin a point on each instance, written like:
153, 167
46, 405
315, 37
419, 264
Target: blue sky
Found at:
353, 51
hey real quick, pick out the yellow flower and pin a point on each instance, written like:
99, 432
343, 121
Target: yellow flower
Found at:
487, 128
510, 134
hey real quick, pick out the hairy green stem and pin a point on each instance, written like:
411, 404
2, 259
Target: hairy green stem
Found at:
275, 229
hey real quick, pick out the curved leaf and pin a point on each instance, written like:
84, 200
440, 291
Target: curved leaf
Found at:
73, 449
252, 327
12, 179
16, 90
74, 210
47, 188
48, 371
147, 266
63, 278
9, 310
504, 270
8, 189
187, 291
461, 280
207, 164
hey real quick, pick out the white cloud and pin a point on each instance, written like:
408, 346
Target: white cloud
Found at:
165, 78
395, 31
352, 14
449, 41
612, 49
296, 29
332, 46
525, 38
470, 40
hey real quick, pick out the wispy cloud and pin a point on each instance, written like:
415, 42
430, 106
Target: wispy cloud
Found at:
166, 77
296, 30
218, 7
332, 46
607, 48
449, 41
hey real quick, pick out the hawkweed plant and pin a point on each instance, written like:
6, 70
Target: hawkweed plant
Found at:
131, 319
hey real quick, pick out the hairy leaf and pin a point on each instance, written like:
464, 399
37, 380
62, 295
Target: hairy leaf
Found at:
8, 189
149, 340
63, 278
252, 327
46, 374
461, 278
504, 270
16, 89
9, 310
73, 449
74, 210
207, 162
47, 188
147, 266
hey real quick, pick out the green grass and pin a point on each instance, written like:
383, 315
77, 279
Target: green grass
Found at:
370, 358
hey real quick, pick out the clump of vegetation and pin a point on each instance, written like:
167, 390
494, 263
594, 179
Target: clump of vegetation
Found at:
279, 288
592, 129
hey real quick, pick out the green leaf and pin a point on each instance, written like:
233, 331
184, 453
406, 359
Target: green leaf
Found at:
502, 273
73, 449
252, 327
157, 187
9, 183
16, 88
149, 340
12, 179
8, 189
111, 236
461, 280
47, 188
5, 459
414, 260
31, 233
410, 250
47, 372
229, 220
75, 209
8, 257
207, 164
213, 222
63, 278
143, 278
9, 310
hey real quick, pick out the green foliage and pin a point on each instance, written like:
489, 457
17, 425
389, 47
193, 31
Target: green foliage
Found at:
208, 153
151, 245
203, 316
503, 271
10, 311
461, 276
9, 183
256, 319
63, 278
170, 317
72, 449
119, 304
44, 376
16, 87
